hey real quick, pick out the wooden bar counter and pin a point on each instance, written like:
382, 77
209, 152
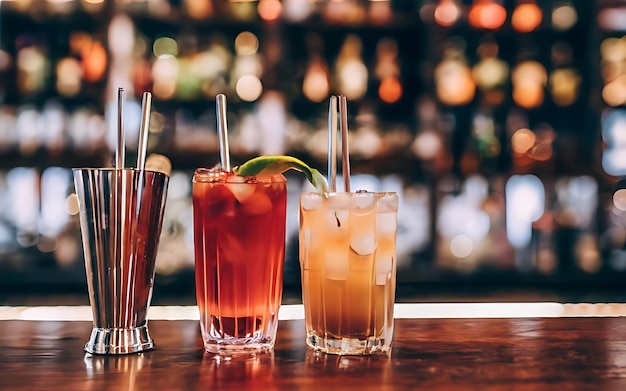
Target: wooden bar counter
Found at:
551, 353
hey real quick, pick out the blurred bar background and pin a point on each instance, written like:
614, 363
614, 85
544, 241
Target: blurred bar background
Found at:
500, 123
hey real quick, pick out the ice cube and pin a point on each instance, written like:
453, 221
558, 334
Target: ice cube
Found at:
363, 202
240, 189
363, 224
364, 244
213, 199
383, 266
339, 201
388, 203
337, 223
311, 201
386, 224
336, 261
256, 204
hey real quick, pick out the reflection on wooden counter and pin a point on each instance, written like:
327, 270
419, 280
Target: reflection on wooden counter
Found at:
434, 354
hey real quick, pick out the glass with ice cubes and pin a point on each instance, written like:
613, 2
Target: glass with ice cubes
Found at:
348, 263
239, 247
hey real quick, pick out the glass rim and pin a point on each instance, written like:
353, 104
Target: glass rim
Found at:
260, 179
112, 169
335, 193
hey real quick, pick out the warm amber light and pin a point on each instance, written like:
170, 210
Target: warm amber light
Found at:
246, 43
199, 9
427, 145
523, 140
71, 204
447, 13
564, 17
315, 85
526, 17
390, 90
94, 63
164, 76
249, 88
270, 10
68, 76
614, 93
541, 152
531, 72
455, 85
380, 12
528, 95
564, 84
613, 49
487, 14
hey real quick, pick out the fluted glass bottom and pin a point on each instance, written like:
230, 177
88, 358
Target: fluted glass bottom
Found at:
348, 346
119, 340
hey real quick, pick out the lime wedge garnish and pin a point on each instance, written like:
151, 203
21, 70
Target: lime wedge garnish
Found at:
277, 164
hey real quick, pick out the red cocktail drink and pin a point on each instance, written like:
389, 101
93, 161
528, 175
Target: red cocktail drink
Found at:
239, 245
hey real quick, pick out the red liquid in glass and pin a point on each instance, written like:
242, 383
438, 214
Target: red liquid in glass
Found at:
239, 244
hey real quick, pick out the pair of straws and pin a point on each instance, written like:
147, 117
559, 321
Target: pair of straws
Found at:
146, 103
338, 123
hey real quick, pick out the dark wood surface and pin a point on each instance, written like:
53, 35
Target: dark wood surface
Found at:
428, 354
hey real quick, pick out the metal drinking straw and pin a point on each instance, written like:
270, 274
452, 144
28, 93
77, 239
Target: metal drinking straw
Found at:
345, 154
332, 143
119, 150
118, 196
338, 112
222, 131
144, 129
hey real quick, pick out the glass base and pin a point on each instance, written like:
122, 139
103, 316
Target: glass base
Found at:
243, 347
348, 346
119, 340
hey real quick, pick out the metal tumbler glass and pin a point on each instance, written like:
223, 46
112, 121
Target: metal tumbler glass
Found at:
121, 214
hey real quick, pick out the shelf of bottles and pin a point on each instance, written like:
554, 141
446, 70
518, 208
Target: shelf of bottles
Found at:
498, 122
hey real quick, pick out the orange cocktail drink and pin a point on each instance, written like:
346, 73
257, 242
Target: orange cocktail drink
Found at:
239, 246
348, 263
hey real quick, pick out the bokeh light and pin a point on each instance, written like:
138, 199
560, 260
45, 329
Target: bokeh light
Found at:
270, 10
249, 88
564, 16
315, 85
71, 205
94, 62
487, 14
164, 47
461, 246
454, 83
164, 75
390, 90
246, 43
523, 140
526, 17
447, 13
619, 199
199, 9
68, 80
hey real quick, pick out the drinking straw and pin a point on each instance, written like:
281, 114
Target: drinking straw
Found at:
332, 143
144, 128
119, 150
222, 131
117, 226
345, 154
